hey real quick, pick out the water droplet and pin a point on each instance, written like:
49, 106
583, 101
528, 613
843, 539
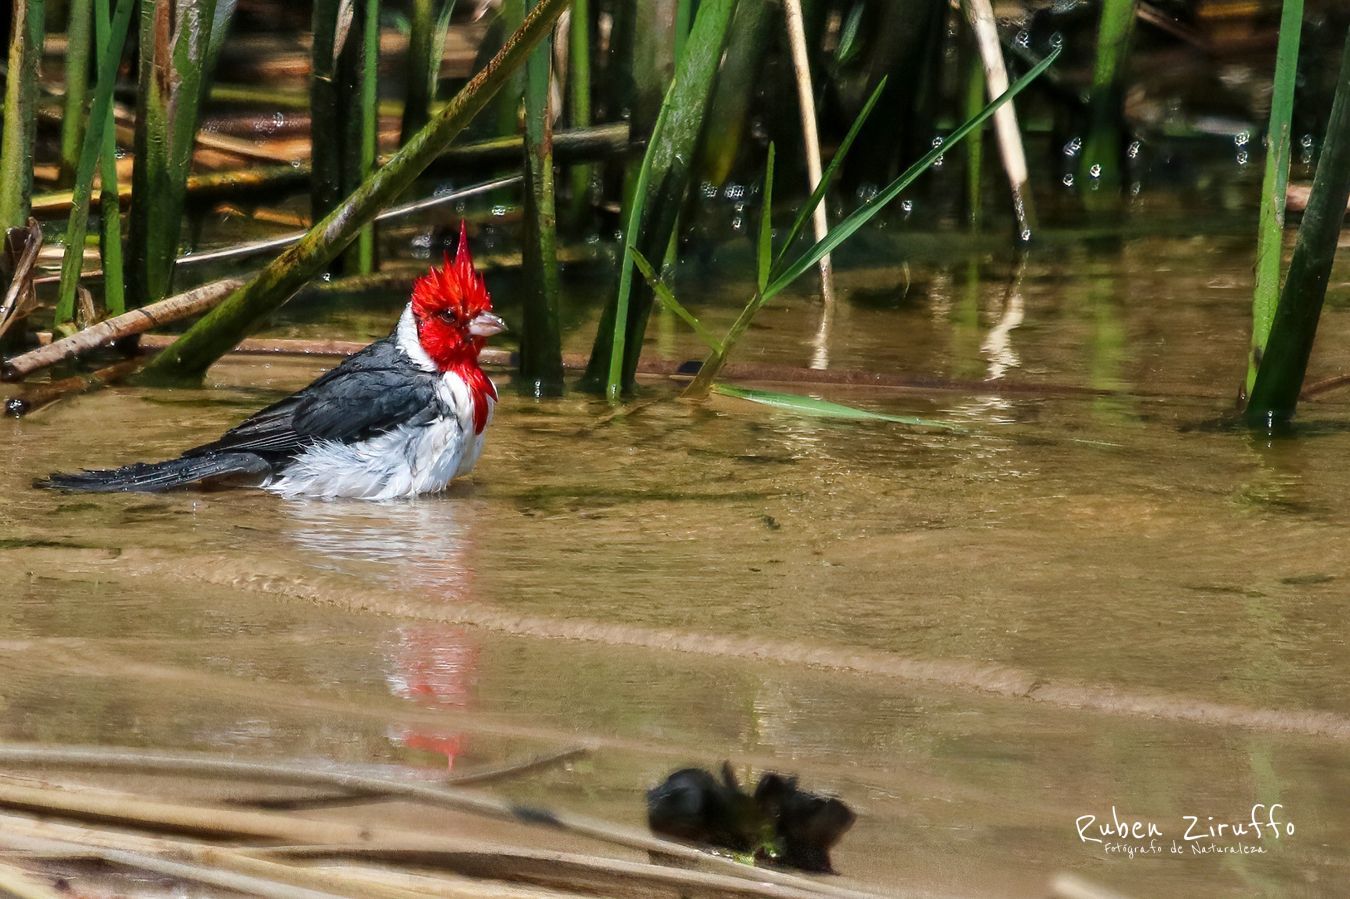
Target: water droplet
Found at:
1096, 170
1132, 151
1306, 141
907, 206
1023, 39
1242, 157
1073, 146
1068, 180
1056, 40
1242, 137
1026, 234
938, 141
499, 210
708, 189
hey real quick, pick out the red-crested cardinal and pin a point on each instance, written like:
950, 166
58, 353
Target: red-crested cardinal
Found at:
404, 416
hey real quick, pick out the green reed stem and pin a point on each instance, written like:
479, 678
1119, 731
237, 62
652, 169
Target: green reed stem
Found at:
20, 114
1102, 148
1280, 376
1270, 231
78, 34
110, 213
541, 367
187, 359
95, 142
426, 47
651, 220
579, 101
174, 39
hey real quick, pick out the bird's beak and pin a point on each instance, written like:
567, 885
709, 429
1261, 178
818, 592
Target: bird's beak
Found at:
485, 324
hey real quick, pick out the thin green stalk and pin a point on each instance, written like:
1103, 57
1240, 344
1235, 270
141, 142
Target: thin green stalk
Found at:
426, 46
94, 143
1270, 231
174, 39
364, 133
784, 273
1285, 361
110, 213
666, 297
77, 87
971, 103
684, 17
651, 221
187, 359
579, 101
1102, 151
541, 367
20, 114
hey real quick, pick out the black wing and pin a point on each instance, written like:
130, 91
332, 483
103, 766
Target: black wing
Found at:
370, 392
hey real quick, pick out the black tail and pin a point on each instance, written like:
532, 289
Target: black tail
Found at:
152, 477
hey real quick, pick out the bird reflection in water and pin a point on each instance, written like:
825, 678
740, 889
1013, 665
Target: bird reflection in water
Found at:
422, 549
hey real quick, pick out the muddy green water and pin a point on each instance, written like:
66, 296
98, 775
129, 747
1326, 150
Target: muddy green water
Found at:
1084, 602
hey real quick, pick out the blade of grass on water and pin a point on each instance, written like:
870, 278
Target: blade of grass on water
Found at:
666, 297
863, 214
818, 408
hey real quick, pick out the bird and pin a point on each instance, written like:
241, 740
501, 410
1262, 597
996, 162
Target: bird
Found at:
402, 417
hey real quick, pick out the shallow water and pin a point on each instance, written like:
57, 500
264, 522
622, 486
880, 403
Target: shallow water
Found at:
1083, 601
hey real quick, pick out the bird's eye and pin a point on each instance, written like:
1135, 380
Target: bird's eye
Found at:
446, 316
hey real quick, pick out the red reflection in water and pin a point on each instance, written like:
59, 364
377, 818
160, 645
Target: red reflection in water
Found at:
435, 666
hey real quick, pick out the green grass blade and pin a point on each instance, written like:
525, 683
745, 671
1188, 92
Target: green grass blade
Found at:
845, 229
614, 376
765, 255
1270, 233
94, 143
818, 195
817, 408
666, 296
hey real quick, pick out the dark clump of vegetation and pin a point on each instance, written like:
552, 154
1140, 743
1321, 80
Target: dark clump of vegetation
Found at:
779, 823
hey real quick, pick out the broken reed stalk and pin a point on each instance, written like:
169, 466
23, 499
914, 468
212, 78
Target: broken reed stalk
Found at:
128, 324
174, 39
674, 144
806, 99
981, 16
1293, 329
188, 359
95, 144
79, 23
428, 26
541, 367
1274, 187
1099, 172
20, 112
110, 214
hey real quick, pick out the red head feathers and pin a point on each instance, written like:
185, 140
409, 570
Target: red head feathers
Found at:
453, 313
